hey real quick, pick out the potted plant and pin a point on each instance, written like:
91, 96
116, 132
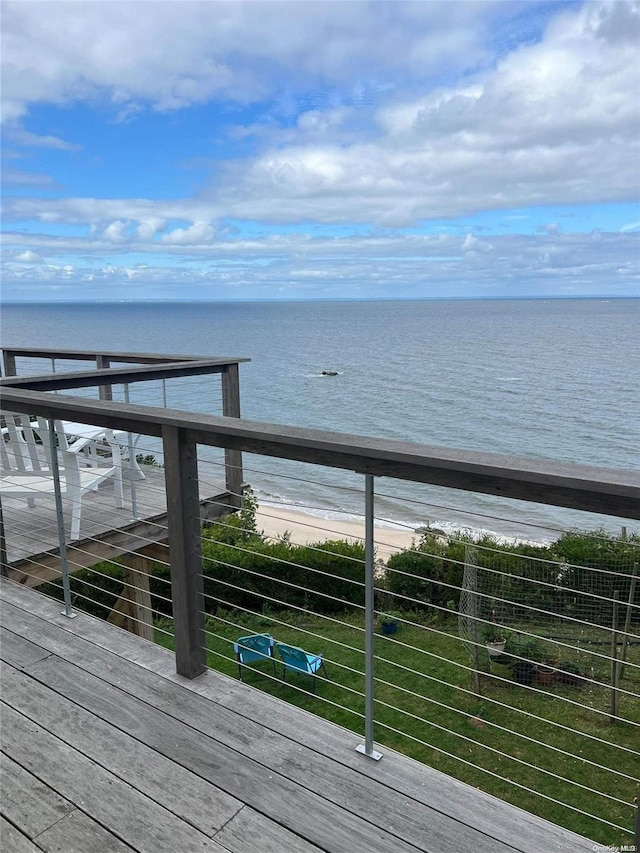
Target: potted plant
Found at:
525, 654
546, 662
495, 639
389, 622
545, 674
568, 672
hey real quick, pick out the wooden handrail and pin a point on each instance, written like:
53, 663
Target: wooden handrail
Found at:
588, 488
120, 375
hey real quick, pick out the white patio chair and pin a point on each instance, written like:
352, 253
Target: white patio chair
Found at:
25, 452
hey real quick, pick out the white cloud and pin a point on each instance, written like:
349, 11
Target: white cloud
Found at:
103, 211
29, 257
354, 135
149, 227
171, 55
429, 265
20, 136
199, 232
554, 122
115, 231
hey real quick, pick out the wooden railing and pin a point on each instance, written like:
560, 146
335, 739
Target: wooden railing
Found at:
611, 491
149, 366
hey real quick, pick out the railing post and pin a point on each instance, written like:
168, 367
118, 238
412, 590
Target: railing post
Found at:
62, 542
4, 562
105, 391
369, 620
9, 361
132, 463
231, 409
185, 556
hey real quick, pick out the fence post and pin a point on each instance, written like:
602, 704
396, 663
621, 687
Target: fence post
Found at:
468, 626
615, 695
369, 619
627, 621
185, 556
231, 409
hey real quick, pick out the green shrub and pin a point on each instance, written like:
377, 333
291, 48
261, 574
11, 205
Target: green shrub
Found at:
597, 550
419, 574
259, 571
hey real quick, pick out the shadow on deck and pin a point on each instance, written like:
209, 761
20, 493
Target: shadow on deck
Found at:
106, 748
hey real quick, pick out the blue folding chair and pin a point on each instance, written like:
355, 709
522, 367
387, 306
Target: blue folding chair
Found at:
297, 660
257, 647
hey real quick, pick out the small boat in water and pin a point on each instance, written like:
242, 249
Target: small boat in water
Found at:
329, 373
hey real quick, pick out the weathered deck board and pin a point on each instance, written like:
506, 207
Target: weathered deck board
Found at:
275, 753
18, 651
107, 532
249, 830
131, 816
14, 840
485, 813
28, 802
78, 833
143, 767
284, 763
306, 813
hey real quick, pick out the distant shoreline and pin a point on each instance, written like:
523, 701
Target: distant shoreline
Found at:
537, 298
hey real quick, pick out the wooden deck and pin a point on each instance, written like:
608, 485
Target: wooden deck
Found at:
106, 532
106, 749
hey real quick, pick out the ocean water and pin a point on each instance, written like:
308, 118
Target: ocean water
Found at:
553, 379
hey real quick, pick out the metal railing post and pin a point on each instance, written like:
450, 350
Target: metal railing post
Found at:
369, 621
185, 555
62, 542
4, 562
132, 474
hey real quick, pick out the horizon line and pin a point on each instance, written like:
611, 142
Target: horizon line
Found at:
171, 300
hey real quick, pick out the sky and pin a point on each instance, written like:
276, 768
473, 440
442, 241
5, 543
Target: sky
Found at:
168, 149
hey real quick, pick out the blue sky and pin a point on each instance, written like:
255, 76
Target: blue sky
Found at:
235, 150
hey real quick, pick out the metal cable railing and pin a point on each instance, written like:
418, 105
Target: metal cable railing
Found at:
327, 585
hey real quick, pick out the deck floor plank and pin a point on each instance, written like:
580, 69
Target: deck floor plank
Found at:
306, 813
202, 805
27, 802
78, 833
249, 830
281, 761
273, 753
490, 815
131, 816
18, 651
11, 839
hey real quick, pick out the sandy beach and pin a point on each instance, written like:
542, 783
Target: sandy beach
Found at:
305, 528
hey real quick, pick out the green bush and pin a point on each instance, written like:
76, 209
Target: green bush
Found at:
421, 573
252, 575
579, 553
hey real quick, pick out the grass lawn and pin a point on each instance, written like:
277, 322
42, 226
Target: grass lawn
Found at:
414, 686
